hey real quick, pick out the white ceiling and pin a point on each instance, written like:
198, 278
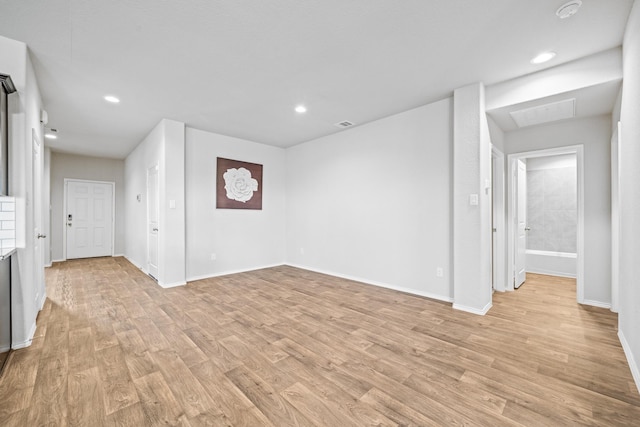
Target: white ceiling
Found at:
239, 67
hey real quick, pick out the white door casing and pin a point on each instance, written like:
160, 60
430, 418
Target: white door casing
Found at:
521, 221
616, 142
153, 208
512, 161
498, 219
89, 218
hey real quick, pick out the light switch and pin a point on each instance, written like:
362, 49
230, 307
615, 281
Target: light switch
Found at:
473, 199
172, 204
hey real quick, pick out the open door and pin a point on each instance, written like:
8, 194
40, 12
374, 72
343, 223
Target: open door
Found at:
521, 221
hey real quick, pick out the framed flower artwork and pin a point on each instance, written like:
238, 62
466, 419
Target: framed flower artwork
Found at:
238, 184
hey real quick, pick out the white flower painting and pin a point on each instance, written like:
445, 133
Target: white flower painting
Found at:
239, 184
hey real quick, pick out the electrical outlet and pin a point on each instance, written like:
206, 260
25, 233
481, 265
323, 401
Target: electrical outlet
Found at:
439, 272
213, 257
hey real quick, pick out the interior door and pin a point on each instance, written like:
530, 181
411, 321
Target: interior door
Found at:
89, 219
152, 222
521, 220
37, 166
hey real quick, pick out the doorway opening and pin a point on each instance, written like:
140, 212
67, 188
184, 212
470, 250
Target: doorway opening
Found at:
552, 240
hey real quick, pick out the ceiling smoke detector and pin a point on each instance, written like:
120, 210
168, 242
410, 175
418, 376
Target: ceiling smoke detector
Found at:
568, 9
344, 124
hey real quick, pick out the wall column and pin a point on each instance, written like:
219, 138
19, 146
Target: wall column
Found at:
471, 201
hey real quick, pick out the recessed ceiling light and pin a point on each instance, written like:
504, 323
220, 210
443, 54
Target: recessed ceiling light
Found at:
50, 136
543, 57
568, 9
112, 99
301, 109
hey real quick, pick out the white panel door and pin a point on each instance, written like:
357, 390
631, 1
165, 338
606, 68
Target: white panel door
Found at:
152, 221
89, 219
521, 219
38, 247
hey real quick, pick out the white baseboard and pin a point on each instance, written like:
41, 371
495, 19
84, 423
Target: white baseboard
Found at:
171, 285
135, 264
473, 310
551, 273
635, 371
228, 272
27, 342
596, 303
57, 260
379, 284
118, 255
43, 299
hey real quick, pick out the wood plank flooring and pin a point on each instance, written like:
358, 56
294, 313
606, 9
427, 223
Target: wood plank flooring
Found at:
287, 347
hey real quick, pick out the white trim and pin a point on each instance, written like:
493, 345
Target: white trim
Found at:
119, 255
499, 199
171, 285
635, 372
57, 260
64, 213
551, 253
473, 310
578, 150
135, 264
228, 272
43, 299
27, 342
379, 284
551, 273
616, 199
596, 303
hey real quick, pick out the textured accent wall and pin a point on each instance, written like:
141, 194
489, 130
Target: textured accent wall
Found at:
552, 209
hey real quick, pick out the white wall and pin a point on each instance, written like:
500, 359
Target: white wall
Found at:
373, 202
92, 169
629, 310
595, 134
163, 146
472, 285
240, 239
496, 134
27, 275
172, 236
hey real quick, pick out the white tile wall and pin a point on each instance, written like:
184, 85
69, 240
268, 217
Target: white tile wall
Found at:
7, 222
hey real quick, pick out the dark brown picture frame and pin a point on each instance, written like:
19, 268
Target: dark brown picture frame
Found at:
229, 199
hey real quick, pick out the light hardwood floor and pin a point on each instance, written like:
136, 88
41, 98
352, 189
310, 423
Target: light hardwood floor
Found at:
283, 347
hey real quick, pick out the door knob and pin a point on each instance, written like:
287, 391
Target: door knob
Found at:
527, 229
42, 236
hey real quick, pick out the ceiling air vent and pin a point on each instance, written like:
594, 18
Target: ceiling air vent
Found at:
344, 124
545, 113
